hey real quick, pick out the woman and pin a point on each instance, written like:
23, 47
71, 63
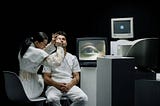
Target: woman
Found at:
34, 53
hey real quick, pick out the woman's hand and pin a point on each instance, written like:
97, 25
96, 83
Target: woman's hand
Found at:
54, 36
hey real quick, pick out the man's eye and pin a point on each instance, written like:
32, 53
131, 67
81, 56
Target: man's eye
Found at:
89, 51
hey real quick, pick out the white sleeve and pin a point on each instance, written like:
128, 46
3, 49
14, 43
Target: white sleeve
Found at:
50, 48
76, 66
56, 58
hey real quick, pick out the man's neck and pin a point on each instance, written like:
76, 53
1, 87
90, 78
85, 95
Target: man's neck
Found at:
65, 51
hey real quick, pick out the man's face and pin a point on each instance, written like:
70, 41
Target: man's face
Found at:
62, 39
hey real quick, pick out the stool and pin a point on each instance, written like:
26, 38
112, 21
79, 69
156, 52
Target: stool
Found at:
65, 101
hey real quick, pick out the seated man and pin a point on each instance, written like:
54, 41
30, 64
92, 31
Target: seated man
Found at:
64, 78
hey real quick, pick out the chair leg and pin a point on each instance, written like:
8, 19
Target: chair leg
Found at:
41, 103
51, 104
65, 102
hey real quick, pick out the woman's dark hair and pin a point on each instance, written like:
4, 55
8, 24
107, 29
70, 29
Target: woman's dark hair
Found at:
36, 36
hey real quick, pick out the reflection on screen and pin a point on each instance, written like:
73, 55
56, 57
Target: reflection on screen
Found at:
91, 49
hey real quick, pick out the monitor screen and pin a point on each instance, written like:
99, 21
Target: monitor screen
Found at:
89, 48
122, 28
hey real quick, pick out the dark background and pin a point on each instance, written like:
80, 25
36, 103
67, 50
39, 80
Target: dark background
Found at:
77, 19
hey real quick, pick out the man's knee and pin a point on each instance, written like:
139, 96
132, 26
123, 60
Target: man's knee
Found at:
53, 99
82, 98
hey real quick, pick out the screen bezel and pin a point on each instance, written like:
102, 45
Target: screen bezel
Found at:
122, 35
88, 63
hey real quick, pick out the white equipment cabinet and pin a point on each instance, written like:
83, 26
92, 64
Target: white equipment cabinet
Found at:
115, 81
111, 83
88, 84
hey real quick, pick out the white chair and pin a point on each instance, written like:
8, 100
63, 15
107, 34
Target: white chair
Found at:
15, 91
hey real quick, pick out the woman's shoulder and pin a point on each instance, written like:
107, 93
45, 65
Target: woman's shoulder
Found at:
36, 51
31, 48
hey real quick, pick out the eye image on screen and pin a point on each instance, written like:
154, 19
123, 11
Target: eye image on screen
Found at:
91, 49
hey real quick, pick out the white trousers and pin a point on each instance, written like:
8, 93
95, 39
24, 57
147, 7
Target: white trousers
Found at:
76, 95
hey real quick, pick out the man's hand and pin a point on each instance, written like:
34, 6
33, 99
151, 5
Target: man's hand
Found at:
65, 87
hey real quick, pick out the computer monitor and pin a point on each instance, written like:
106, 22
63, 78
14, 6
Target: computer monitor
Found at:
89, 48
122, 28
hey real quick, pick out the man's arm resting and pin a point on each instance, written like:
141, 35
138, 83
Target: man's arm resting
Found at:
49, 81
75, 79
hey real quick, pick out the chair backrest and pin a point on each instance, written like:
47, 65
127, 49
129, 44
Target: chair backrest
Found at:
147, 53
13, 87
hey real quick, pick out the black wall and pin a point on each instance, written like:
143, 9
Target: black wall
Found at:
77, 21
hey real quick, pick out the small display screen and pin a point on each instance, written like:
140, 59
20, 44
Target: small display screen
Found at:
122, 26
